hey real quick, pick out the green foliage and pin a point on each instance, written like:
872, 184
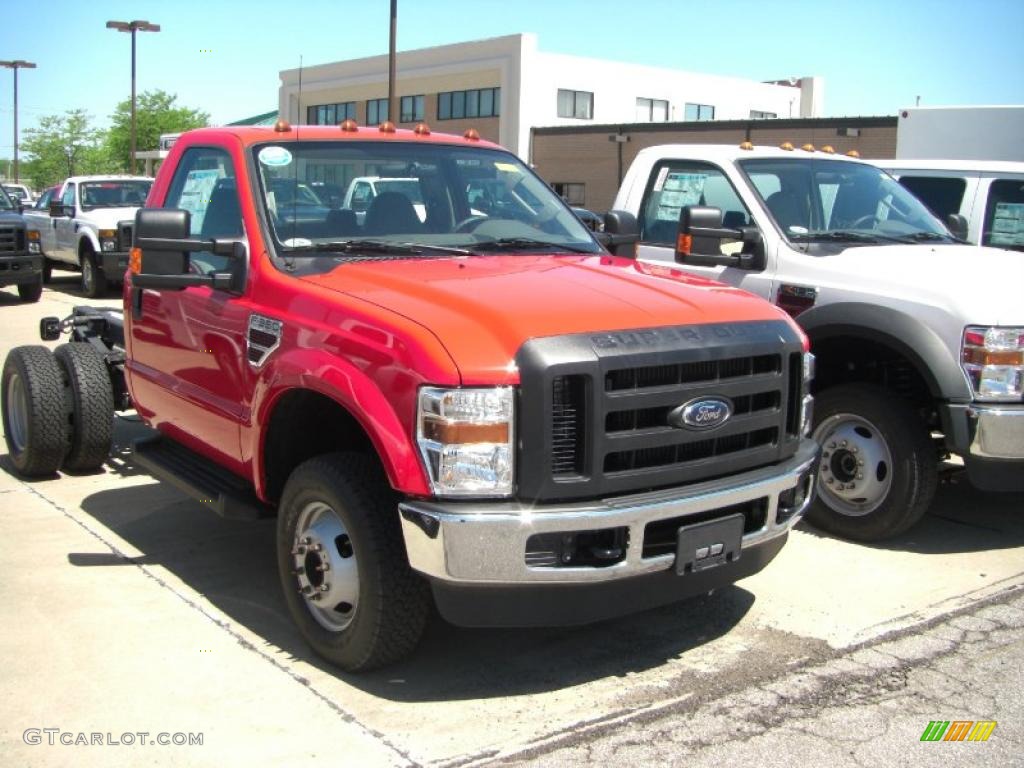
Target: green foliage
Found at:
61, 146
156, 112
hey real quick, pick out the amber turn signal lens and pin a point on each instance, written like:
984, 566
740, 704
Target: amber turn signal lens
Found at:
982, 356
135, 261
684, 244
462, 434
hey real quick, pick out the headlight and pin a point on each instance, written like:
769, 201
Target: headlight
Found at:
108, 239
466, 438
993, 359
33, 241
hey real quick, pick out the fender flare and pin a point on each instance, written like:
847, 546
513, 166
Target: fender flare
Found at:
325, 374
85, 233
920, 344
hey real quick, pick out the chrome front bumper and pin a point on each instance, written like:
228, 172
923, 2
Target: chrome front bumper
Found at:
484, 543
998, 431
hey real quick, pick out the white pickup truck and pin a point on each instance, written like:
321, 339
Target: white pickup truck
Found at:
919, 339
88, 226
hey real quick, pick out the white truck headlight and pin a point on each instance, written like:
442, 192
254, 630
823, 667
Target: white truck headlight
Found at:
993, 359
466, 438
32, 236
108, 239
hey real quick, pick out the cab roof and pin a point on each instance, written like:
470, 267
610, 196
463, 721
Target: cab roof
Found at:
250, 135
733, 152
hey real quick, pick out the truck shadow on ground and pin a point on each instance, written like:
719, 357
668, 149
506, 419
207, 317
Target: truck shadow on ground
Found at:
233, 566
961, 519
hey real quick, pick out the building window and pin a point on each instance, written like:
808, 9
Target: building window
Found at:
573, 193
756, 114
411, 109
699, 112
330, 114
478, 102
578, 104
651, 110
376, 111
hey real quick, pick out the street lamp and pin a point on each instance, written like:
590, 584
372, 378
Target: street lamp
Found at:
133, 27
16, 65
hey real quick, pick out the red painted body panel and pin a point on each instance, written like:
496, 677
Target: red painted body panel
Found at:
369, 334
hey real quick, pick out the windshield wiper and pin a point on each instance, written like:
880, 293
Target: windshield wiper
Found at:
525, 243
928, 237
378, 247
839, 236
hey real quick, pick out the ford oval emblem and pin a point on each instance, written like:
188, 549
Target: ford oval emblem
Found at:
701, 413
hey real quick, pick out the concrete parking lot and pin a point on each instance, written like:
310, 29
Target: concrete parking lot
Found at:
127, 608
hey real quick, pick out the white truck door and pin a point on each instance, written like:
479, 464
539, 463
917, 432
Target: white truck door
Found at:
675, 183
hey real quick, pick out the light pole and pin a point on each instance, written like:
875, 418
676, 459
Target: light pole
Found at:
133, 27
16, 65
393, 115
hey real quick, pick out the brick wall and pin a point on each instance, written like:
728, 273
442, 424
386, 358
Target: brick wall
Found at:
588, 156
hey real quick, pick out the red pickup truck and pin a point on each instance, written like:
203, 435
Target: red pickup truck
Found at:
466, 399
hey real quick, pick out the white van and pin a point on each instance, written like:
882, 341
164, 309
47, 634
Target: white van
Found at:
989, 195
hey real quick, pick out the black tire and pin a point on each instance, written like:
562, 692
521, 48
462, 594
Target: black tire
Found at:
47, 271
392, 602
92, 406
34, 411
31, 291
94, 282
879, 466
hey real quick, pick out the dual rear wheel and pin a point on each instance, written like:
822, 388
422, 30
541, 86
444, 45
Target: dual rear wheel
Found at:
58, 409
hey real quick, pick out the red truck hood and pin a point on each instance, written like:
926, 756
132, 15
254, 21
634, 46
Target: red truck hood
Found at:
482, 309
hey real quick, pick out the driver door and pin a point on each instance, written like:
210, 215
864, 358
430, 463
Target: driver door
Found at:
677, 183
188, 348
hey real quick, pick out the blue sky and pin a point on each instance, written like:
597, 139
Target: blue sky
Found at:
223, 56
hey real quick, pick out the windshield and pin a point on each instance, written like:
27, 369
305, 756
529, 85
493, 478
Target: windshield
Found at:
410, 199
817, 200
5, 201
114, 193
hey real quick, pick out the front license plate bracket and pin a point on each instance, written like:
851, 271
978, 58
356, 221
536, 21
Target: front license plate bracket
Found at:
708, 544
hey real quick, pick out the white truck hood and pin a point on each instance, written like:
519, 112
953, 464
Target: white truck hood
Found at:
107, 218
978, 285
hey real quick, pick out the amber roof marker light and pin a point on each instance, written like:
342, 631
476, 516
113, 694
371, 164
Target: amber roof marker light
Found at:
471, 134
282, 126
349, 125
421, 129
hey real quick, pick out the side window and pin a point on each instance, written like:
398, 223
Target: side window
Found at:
43, 203
675, 184
205, 186
1004, 215
942, 195
361, 197
68, 198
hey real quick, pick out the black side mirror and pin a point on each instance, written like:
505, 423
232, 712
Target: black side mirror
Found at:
957, 225
700, 235
163, 237
57, 209
621, 233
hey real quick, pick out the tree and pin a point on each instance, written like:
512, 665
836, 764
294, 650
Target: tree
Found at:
156, 112
61, 146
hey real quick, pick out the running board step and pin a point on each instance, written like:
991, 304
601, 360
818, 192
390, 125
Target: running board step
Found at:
224, 492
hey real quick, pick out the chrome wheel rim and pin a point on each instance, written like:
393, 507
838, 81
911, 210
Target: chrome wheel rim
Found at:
324, 564
855, 473
17, 413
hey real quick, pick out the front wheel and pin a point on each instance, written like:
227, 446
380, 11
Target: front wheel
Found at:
878, 468
94, 282
31, 291
343, 567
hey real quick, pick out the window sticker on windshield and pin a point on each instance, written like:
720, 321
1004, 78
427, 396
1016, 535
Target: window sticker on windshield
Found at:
275, 156
1008, 224
507, 167
679, 189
